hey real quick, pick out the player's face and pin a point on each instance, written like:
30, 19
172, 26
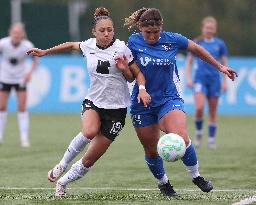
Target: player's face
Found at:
151, 34
103, 32
17, 35
209, 29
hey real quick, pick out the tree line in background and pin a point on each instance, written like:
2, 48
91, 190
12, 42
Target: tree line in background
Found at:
47, 20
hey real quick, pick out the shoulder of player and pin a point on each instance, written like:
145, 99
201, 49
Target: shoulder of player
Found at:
27, 43
170, 36
120, 44
91, 42
134, 37
219, 40
5, 39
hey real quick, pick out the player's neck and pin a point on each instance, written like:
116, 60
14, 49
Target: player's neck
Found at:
107, 46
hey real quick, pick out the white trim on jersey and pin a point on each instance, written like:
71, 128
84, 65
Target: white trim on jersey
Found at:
177, 83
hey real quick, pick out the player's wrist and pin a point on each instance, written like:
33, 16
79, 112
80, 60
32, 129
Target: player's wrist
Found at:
142, 87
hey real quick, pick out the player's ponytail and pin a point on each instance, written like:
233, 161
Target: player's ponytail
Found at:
101, 13
134, 18
144, 17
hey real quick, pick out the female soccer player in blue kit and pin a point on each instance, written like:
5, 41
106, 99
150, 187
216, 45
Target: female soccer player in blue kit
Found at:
155, 53
207, 82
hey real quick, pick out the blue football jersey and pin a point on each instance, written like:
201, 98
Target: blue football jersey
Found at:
217, 48
157, 62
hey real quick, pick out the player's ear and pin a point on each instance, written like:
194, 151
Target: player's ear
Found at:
93, 31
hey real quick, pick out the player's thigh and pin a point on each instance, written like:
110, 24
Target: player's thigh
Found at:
96, 149
90, 123
199, 100
3, 99
175, 122
21, 100
149, 136
212, 105
5, 90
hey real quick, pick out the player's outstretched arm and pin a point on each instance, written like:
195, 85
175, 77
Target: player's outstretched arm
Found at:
189, 60
206, 56
68, 46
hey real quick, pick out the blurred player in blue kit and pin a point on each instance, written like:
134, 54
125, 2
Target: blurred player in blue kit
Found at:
207, 83
155, 53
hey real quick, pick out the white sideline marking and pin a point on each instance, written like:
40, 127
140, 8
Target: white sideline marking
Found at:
247, 200
125, 189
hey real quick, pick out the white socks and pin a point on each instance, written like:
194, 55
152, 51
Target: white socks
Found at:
23, 122
163, 180
77, 171
193, 171
3, 116
75, 147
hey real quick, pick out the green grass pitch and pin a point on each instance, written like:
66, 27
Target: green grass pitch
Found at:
121, 176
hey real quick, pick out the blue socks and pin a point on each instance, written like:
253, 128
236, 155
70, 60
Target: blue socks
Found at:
212, 130
189, 158
155, 164
190, 161
199, 124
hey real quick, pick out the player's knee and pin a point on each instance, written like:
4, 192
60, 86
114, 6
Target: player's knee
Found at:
150, 151
199, 112
185, 137
90, 133
2, 108
21, 109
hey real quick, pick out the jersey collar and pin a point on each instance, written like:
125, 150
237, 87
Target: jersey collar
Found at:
111, 43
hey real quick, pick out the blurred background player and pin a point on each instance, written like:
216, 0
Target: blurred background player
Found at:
155, 53
13, 75
110, 64
207, 84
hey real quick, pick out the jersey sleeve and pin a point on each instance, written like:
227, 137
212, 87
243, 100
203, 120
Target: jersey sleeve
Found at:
83, 48
128, 54
29, 45
131, 47
182, 41
223, 49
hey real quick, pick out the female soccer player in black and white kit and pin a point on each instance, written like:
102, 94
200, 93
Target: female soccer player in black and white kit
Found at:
110, 65
13, 75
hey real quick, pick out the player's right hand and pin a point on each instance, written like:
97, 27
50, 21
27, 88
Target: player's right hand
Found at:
36, 52
144, 97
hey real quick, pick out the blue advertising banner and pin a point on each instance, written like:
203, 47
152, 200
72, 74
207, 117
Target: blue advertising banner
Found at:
60, 83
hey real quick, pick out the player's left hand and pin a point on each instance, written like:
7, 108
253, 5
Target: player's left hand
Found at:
229, 72
121, 63
144, 97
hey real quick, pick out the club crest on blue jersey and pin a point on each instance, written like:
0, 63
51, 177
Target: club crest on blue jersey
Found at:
166, 46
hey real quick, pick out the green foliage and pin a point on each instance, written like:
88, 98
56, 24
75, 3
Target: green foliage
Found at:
122, 170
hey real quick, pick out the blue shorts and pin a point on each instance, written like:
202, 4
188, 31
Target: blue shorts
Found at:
144, 116
211, 87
